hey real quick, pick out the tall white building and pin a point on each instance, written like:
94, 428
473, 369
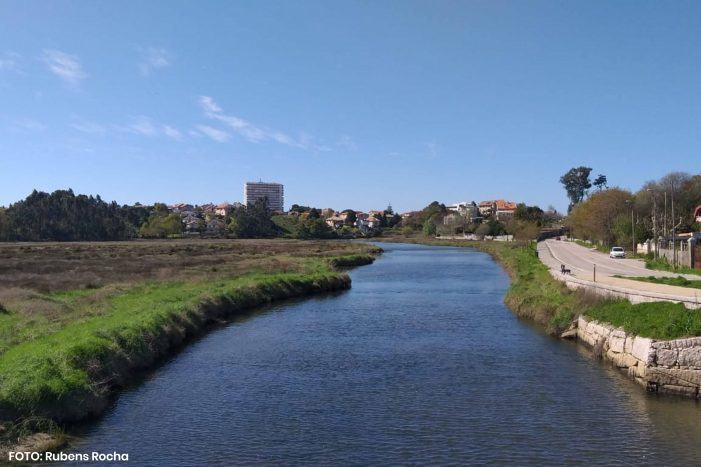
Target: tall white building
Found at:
273, 192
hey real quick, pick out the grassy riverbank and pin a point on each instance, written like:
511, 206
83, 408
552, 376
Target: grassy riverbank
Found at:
536, 295
87, 317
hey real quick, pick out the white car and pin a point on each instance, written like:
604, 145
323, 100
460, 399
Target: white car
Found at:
617, 252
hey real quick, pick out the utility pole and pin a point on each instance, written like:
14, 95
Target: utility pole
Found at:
674, 233
664, 219
654, 220
632, 223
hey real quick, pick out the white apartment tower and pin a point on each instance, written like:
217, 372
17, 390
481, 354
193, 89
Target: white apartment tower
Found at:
273, 192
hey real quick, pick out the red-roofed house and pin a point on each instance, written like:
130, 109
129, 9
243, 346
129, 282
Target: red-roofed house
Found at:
505, 209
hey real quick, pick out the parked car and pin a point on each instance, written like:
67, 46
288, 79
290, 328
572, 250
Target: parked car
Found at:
617, 252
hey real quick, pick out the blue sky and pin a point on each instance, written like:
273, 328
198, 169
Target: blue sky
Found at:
349, 104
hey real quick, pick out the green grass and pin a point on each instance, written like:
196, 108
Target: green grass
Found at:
678, 281
661, 264
64, 367
348, 261
533, 287
288, 224
658, 320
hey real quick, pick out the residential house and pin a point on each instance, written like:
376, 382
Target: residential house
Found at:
487, 208
500, 209
452, 218
373, 222
223, 209
468, 210
361, 216
505, 209
337, 221
208, 208
327, 212
181, 207
189, 216
215, 227
697, 213
193, 225
366, 222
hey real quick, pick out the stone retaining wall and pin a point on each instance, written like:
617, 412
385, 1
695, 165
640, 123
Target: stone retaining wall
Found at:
660, 366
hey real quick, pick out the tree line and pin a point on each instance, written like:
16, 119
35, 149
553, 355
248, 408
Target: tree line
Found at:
525, 224
610, 216
65, 216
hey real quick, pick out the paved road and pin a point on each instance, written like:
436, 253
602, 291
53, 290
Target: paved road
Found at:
581, 261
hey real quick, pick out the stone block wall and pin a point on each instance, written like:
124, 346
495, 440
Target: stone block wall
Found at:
672, 366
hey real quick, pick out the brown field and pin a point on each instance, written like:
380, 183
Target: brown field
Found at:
44, 286
52, 267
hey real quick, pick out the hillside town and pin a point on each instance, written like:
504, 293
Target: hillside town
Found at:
661, 220
213, 219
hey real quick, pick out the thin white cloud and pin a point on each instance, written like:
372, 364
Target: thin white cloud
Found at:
251, 132
138, 125
346, 142
153, 58
65, 66
143, 126
208, 105
214, 134
9, 61
27, 125
172, 133
91, 128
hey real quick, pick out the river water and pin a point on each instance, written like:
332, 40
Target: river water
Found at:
419, 363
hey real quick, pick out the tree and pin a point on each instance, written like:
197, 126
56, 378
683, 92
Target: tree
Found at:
602, 217
576, 183
299, 209
351, 217
429, 227
392, 219
253, 221
482, 229
524, 230
313, 228
686, 191
161, 226
529, 213
600, 182
161, 209
4, 226
65, 216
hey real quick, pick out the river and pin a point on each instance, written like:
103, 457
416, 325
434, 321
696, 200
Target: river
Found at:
420, 362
